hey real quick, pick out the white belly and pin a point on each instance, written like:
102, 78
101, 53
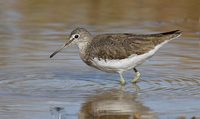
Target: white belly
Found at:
124, 64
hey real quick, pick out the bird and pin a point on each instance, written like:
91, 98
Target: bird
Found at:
117, 52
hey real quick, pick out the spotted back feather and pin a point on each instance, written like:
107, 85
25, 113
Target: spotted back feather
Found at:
120, 46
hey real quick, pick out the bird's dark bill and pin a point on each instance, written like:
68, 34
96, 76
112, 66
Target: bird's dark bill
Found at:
58, 50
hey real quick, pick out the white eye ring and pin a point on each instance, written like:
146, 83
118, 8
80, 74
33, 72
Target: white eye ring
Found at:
76, 36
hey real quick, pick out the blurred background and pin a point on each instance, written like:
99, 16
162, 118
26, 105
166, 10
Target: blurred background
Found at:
34, 86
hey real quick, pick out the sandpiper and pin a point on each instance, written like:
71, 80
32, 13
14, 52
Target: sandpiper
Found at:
117, 52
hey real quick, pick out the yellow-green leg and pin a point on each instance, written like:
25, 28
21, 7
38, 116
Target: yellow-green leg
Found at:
137, 76
122, 80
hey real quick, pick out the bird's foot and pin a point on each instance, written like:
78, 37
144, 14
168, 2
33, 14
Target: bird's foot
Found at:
122, 81
137, 77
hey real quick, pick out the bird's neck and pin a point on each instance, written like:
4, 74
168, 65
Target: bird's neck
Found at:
82, 48
85, 42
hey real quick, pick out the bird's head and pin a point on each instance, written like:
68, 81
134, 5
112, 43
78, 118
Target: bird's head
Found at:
77, 36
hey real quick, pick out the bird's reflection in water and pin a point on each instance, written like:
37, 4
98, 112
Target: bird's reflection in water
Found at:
115, 104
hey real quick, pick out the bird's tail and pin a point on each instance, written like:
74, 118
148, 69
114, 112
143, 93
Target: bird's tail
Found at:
171, 34
165, 36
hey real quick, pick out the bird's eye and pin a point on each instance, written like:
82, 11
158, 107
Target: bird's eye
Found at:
76, 36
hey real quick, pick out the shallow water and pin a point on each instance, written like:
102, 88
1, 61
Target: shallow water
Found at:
33, 86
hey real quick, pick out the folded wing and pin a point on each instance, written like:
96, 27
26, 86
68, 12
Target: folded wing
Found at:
120, 46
